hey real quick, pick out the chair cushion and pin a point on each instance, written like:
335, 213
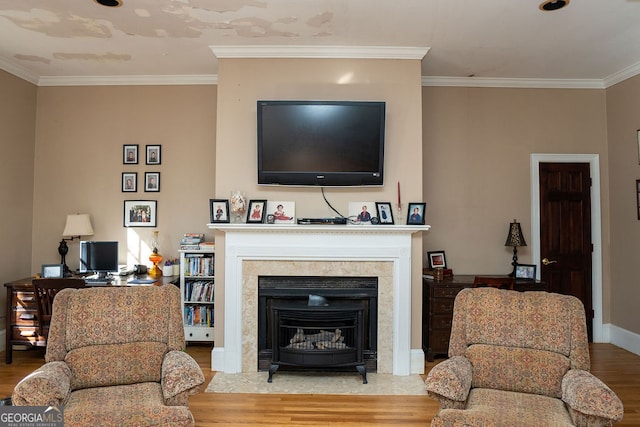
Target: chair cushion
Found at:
115, 364
493, 408
523, 370
128, 405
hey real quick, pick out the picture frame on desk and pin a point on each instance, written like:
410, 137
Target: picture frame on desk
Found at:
218, 211
526, 271
436, 259
53, 271
140, 213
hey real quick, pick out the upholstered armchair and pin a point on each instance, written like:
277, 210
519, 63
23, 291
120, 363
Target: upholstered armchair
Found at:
115, 356
519, 358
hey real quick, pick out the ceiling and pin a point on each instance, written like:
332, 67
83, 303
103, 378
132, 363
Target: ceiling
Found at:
589, 43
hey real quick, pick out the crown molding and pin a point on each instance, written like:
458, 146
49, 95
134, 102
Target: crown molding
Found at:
18, 71
142, 80
513, 83
624, 74
358, 52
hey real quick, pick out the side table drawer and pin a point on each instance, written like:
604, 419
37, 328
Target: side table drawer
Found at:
441, 322
439, 340
446, 292
442, 306
198, 333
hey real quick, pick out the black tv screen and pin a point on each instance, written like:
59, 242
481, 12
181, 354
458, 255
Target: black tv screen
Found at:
324, 143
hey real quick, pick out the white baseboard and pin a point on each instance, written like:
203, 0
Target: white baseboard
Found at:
622, 338
417, 361
217, 359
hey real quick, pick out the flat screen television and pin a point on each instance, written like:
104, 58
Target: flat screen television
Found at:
322, 143
98, 257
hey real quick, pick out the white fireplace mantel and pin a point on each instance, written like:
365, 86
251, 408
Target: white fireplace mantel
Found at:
331, 243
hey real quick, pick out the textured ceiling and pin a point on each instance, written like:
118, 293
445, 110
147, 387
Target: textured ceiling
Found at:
590, 41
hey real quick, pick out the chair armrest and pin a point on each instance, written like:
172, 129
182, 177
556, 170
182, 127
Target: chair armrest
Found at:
181, 374
450, 379
590, 398
49, 385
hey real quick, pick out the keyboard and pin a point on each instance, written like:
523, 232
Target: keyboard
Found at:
92, 281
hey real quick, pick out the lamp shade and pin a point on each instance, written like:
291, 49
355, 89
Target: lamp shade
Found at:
515, 236
78, 225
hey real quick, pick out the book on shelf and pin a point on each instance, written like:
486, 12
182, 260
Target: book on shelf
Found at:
198, 246
191, 239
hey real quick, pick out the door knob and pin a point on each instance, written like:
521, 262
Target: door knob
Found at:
546, 261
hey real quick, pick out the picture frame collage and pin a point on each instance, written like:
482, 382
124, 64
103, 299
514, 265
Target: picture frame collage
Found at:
140, 213
361, 213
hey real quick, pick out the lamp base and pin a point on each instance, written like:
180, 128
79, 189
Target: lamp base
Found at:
514, 262
155, 271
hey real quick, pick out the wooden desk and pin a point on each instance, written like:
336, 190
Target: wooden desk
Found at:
437, 309
22, 314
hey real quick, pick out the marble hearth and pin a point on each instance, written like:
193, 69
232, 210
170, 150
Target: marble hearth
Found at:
253, 250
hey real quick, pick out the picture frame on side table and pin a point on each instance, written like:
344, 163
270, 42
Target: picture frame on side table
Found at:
218, 211
129, 182
436, 259
152, 182
415, 213
55, 271
385, 213
256, 211
153, 154
130, 154
526, 271
140, 213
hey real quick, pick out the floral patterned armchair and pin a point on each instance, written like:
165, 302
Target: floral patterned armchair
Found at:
115, 356
519, 358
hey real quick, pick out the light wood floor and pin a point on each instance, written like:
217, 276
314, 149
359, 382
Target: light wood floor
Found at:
618, 368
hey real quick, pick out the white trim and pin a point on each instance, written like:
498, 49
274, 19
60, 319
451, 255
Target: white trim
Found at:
622, 338
513, 82
301, 51
596, 225
18, 71
624, 74
142, 80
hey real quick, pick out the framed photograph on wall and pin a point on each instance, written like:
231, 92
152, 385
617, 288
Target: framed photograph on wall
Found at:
526, 271
140, 213
385, 213
129, 182
415, 213
436, 259
152, 181
130, 154
153, 154
256, 211
218, 211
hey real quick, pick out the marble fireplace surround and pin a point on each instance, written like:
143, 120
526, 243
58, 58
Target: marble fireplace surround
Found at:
253, 250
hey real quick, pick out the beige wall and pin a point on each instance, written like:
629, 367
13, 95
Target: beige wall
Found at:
241, 82
623, 103
17, 138
477, 148
78, 164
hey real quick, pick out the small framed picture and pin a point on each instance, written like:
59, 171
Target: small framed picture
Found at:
140, 213
218, 211
52, 270
152, 181
436, 259
256, 211
526, 271
385, 213
361, 212
130, 154
415, 213
283, 212
129, 182
153, 154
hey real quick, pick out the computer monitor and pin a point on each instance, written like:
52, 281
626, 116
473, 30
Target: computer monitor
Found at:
98, 257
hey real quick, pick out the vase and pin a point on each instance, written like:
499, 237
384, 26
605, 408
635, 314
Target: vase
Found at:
238, 207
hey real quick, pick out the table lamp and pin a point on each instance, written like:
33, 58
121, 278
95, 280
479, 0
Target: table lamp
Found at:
77, 225
515, 238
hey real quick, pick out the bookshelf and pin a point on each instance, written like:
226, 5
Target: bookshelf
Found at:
197, 289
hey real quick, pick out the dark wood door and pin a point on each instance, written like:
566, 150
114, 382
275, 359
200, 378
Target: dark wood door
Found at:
565, 231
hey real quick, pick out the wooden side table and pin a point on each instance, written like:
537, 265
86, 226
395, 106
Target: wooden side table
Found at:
22, 317
437, 309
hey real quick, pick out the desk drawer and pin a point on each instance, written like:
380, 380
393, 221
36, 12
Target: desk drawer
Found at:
446, 292
441, 322
442, 306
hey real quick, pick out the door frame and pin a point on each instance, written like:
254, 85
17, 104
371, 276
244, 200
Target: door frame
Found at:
596, 225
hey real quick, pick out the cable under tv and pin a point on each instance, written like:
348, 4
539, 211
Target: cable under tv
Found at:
322, 221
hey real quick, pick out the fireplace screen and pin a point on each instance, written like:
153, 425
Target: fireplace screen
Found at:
317, 337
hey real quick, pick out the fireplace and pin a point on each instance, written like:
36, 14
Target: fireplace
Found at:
350, 293
253, 250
